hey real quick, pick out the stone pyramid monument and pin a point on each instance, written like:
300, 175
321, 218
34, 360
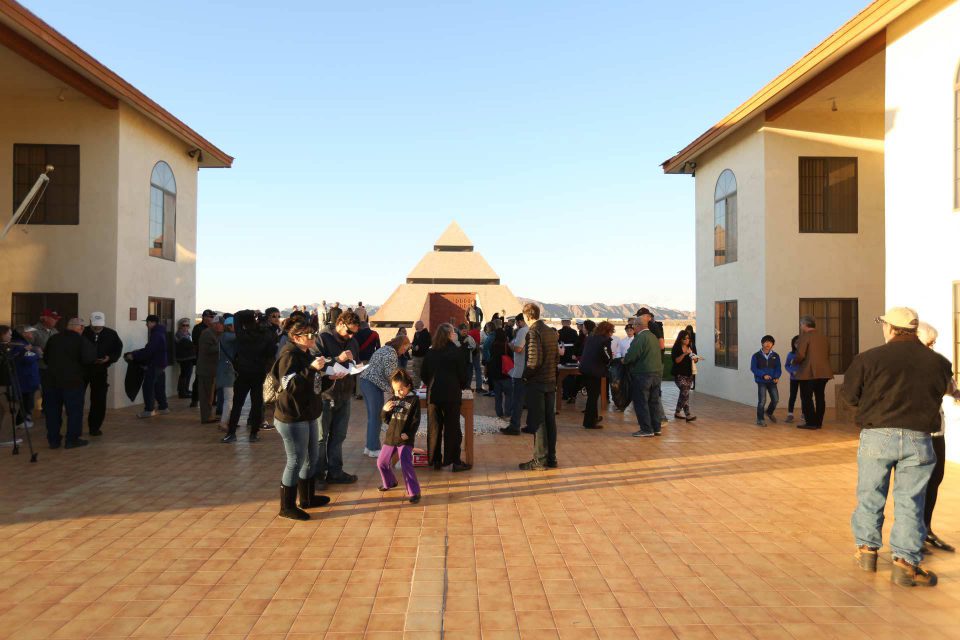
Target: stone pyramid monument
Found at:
444, 283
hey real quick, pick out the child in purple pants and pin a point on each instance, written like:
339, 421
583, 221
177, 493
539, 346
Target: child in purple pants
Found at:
402, 416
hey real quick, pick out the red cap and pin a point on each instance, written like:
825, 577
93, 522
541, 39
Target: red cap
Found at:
50, 313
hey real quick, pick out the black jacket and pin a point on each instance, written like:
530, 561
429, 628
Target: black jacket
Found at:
569, 335
255, 351
107, 344
195, 336
685, 366
445, 373
68, 355
331, 345
404, 418
299, 399
421, 343
495, 363
898, 385
596, 356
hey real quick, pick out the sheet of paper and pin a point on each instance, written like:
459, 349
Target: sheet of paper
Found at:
339, 369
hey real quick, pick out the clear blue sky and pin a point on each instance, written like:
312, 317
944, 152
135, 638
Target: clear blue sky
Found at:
362, 128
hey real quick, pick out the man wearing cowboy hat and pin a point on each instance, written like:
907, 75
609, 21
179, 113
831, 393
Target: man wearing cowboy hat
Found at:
897, 389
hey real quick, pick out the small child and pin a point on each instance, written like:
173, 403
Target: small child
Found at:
402, 416
765, 365
792, 367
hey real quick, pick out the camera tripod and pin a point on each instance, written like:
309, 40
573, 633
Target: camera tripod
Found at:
15, 402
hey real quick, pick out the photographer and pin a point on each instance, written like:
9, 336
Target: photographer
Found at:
25, 358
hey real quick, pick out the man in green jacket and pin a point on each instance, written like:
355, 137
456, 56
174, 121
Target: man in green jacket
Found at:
645, 364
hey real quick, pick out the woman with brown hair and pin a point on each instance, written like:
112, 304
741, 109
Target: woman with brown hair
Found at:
593, 366
375, 382
445, 374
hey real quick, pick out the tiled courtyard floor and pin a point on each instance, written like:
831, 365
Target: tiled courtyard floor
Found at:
718, 529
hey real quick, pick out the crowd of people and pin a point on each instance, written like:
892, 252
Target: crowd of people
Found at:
302, 373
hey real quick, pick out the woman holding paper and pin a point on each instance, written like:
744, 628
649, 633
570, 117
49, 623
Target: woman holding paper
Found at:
375, 382
445, 374
297, 411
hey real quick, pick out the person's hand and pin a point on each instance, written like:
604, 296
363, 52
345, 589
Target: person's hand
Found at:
338, 376
103, 360
128, 357
389, 405
766, 377
403, 436
345, 356
29, 347
776, 380
317, 364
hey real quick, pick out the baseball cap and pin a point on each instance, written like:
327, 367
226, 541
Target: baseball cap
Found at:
643, 311
208, 313
76, 322
216, 317
228, 322
28, 329
49, 313
579, 322
98, 319
901, 317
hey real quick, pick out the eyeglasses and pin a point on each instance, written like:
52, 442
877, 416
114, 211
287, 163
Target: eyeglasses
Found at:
274, 315
306, 336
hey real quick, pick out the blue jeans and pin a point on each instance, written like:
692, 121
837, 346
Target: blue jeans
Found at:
645, 393
54, 402
502, 397
373, 399
517, 398
154, 388
301, 442
335, 419
764, 388
911, 454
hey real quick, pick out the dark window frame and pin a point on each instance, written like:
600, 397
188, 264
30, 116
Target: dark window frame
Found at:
956, 332
827, 216
726, 332
25, 307
727, 253
59, 205
849, 346
167, 249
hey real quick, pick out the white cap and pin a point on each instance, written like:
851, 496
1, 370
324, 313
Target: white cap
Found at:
98, 319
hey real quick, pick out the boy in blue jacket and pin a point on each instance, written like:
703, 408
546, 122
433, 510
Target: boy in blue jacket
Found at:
765, 365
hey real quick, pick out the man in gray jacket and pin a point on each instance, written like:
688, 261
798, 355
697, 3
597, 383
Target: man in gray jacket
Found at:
208, 358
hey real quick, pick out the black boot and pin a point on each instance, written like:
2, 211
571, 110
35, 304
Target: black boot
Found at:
308, 495
288, 504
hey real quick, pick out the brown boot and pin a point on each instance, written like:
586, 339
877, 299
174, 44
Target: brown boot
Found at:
866, 558
911, 575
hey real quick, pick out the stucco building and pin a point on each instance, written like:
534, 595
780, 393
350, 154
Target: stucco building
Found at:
444, 283
834, 191
116, 229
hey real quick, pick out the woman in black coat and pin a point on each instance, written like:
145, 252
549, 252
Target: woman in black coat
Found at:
593, 366
444, 373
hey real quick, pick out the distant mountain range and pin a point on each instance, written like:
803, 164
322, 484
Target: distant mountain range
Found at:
600, 310
594, 310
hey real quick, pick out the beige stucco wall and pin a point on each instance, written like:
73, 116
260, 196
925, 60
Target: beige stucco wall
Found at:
138, 275
744, 280
823, 265
923, 229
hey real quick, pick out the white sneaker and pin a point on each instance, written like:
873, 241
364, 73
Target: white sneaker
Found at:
371, 453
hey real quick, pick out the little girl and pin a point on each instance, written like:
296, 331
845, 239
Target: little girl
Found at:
402, 416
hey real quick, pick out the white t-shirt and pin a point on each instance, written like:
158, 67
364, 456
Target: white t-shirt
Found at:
622, 347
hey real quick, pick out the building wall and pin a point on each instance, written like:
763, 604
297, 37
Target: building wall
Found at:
78, 258
743, 280
138, 275
823, 265
923, 228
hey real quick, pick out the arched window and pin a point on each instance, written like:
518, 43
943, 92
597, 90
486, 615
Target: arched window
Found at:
725, 219
163, 212
956, 141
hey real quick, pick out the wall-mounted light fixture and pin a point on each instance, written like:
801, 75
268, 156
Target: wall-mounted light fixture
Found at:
196, 153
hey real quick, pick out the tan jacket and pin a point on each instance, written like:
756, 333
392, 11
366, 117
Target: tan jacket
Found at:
813, 355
